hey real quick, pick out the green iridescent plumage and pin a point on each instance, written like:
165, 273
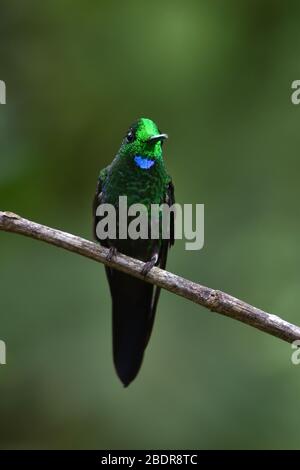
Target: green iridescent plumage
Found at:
126, 178
138, 172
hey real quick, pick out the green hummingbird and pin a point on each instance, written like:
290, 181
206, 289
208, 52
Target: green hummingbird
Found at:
138, 171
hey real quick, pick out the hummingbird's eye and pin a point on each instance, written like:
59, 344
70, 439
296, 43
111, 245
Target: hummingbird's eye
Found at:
130, 136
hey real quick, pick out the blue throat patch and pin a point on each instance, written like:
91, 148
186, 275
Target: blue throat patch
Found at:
143, 163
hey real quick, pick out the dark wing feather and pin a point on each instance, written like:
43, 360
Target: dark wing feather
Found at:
96, 202
98, 199
163, 253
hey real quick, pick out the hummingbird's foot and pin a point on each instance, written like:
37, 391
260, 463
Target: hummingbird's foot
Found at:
149, 265
112, 252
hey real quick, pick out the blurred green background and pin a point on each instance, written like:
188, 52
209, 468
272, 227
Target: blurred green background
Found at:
216, 76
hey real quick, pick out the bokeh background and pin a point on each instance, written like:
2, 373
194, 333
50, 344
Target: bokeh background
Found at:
217, 77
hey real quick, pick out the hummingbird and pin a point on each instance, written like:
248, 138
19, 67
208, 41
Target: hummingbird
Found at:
138, 171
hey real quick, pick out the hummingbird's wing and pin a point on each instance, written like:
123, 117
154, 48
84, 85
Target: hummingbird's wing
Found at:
163, 253
166, 244
98, 200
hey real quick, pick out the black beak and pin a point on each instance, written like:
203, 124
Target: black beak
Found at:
157, 138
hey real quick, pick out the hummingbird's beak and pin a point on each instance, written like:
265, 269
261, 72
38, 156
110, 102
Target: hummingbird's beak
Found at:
157, 138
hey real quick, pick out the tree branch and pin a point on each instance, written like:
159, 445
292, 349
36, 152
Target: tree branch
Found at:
212, 299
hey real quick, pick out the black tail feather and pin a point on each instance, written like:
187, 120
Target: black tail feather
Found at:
132, 323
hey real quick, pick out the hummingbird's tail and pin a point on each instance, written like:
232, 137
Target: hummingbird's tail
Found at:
132, 323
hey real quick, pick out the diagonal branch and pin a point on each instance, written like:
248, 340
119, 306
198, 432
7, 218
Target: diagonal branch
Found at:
212, 299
